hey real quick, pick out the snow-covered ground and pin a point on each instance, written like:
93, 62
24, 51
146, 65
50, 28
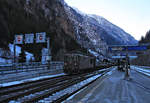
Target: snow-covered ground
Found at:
3, 60
10, 54
18, 50
142, 70
146, 67
94, 53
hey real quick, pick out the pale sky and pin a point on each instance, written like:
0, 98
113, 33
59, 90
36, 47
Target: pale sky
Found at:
131, 15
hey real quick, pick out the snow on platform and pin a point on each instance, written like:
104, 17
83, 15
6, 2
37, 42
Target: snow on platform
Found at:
115, 89
142, 70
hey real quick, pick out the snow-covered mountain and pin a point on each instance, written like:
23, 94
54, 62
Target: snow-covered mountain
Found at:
105, 30
68, 28
85, 33
112, 31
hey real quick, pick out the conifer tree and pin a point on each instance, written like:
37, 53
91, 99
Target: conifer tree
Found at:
145, 39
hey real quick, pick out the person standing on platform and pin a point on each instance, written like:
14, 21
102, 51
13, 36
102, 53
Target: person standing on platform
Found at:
127, 68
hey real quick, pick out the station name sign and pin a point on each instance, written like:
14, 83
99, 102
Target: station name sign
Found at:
117, 49
137, 48
127, 48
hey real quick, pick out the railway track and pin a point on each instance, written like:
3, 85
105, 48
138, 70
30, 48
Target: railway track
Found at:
39, 89
15, 91
67, 95
29, 82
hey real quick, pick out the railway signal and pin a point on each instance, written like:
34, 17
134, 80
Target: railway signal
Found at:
41, 37
18, 39
29, 38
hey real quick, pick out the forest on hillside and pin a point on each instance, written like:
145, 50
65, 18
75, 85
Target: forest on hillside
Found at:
143, 58
145, 39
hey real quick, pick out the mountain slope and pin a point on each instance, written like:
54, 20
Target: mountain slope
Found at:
68, 29
110, 33
115, 32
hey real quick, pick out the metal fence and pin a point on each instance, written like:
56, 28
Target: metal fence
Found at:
31, 66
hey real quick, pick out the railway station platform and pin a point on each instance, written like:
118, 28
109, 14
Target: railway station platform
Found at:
115, 89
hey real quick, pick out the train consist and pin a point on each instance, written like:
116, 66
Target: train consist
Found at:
75, 63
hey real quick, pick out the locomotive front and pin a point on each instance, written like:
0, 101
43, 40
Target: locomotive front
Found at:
71, 64
75, 63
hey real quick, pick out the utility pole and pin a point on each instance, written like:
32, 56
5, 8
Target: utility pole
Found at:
14, 54
48, 56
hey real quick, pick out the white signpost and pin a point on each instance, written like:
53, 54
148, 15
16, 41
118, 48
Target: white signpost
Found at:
41, 37
29, 38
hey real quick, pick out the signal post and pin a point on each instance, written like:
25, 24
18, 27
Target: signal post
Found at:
30, 38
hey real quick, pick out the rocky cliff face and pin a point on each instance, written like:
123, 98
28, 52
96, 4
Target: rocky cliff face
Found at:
68, 29
31, 16
99, 27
